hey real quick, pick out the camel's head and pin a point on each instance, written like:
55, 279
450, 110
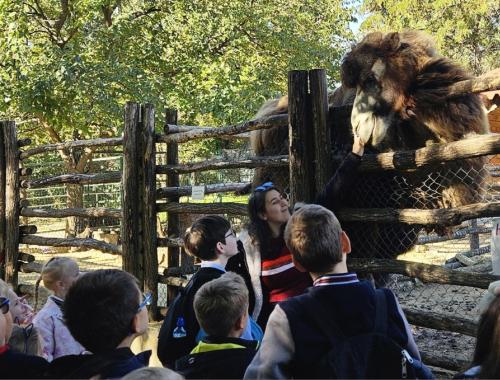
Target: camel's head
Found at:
381, 68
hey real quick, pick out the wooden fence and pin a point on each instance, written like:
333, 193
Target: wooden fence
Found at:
142, 200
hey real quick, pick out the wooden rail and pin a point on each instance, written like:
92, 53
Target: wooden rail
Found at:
425, 272
113, 141
183, 191
252, 125
444, 216
81, 179
203, 208
71, 242
91, 212
254, 162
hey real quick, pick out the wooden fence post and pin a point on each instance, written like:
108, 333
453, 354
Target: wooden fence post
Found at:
11, 201
148, 189
322, 140
131, 210
300, 138
2, 203
173, 226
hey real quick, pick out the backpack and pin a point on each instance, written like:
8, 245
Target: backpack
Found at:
171, 348
372, 355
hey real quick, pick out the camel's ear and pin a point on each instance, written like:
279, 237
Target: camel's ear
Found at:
391, 42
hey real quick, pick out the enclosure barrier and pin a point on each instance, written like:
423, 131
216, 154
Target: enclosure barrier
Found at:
308, 105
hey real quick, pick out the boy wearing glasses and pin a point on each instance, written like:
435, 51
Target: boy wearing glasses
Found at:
104, 311
212, 240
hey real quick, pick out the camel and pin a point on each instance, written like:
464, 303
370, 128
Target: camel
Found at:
397, 83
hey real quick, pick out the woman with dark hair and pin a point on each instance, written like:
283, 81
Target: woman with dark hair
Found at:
486, 360
267, 263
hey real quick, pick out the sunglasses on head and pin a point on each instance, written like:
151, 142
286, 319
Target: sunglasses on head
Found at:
264, 187
4, 305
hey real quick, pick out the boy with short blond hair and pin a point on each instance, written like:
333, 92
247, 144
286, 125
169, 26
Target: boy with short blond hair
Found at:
304, 333
221, 307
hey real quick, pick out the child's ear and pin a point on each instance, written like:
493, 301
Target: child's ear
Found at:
241, 323
345, 243
219, 248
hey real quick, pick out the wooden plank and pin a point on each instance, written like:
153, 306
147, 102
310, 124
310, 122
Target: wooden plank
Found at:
91, 212
113, 141
130, 234
301, 153
424, 272
173, 226
486, 82
149, 244
322, 140
247, 126
445, 322
71, 242
444, 217
471, 147
81, 179
253, 162
203, 208
12, 197
182, 191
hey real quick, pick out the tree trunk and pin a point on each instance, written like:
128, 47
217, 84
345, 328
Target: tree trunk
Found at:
74, 224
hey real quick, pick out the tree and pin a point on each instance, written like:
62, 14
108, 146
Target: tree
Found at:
71, 64
468, 31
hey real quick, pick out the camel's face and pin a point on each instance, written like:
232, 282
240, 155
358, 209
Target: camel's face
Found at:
373, 116
382, 68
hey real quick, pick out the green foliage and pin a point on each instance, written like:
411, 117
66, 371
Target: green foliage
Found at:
73, 64
467, 31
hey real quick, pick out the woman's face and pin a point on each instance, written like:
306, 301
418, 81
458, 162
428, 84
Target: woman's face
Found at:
276, 208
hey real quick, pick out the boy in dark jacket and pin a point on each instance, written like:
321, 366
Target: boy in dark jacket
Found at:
221, 308
212, 240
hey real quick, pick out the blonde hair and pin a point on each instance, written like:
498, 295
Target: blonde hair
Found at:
219, 304
56, 269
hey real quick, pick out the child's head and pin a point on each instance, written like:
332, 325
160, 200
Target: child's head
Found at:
58, 274
221, 306
315, 238
20, 310
153, 373
105, 308
209, 237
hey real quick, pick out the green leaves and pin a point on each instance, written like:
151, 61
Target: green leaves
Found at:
465, 30
216, 61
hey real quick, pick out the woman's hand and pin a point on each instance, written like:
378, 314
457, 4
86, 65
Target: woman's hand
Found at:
358, 147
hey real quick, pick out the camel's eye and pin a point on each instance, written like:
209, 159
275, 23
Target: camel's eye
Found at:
371, 82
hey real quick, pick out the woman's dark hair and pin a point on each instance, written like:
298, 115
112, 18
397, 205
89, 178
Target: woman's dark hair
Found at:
487, 352
259, 229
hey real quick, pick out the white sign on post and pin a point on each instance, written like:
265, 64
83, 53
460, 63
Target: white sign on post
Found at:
198, 193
